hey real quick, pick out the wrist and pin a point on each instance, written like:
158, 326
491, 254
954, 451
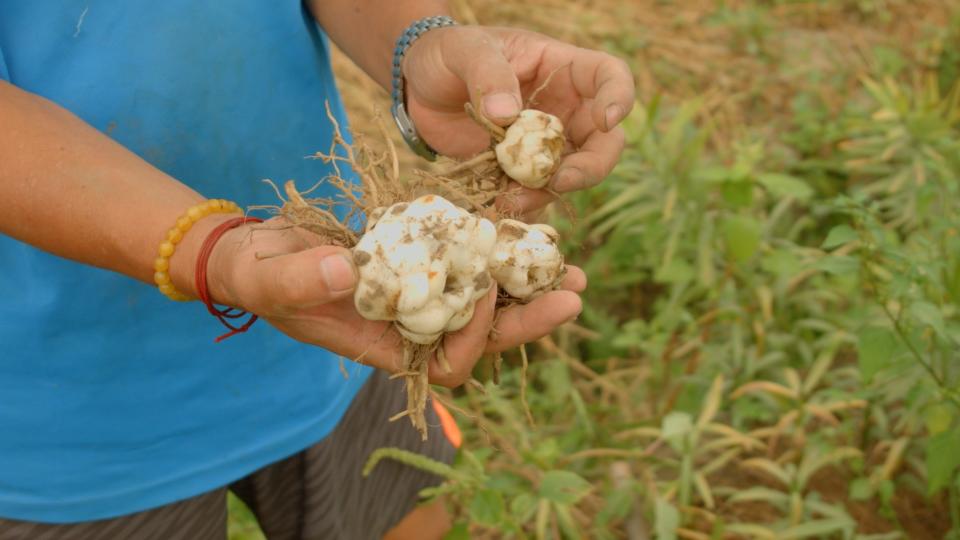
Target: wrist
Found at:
184, 261
225, 265
409, 41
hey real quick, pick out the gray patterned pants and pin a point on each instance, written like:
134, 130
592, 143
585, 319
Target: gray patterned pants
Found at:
318, 493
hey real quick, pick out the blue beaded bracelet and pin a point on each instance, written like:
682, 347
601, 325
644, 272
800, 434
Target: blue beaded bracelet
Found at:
399, 109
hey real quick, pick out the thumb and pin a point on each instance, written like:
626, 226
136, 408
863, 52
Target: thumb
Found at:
306, 278
477, 58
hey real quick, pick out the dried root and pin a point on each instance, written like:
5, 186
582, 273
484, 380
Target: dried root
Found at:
416, 361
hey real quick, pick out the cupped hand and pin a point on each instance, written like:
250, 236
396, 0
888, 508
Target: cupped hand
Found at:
497, 69
305, 289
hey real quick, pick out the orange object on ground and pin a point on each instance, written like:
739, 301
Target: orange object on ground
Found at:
450, 428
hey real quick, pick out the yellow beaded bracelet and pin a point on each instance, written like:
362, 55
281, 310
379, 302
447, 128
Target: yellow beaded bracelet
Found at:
161, 265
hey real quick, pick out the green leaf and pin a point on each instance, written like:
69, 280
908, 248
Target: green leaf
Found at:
556, 379
861, 490
886, 490
523, 506
929, 315
875, 348
460, 531
784, 185
617, 506
675, 427
711, 174
943, 458
781, 263
838, 264
563, 487
738, 194
677, 271
750, 530
760, 493
568, 527
505, 482
838, 236
741, 234
817, 528
487, 507
667, 519
938, 418
543, 518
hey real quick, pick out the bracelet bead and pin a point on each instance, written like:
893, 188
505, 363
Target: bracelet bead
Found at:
161, 278
161, 265
174, 236
166, 248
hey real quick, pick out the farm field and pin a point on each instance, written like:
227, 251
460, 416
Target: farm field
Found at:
770, 345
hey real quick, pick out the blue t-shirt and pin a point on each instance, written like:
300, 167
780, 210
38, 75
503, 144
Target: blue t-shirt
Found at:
114, 399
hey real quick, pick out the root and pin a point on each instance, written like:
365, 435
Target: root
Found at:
316, 219
482, 159
442, 360
496, 132
497, 366
532, 100
476, 195
416, 364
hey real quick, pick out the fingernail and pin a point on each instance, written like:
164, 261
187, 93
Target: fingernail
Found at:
568, 179
614, 114
501, 105
338, 273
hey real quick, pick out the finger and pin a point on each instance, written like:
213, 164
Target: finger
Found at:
464, 347
575, 280
477, 58
591, 163
579, 126
306, 278
606, 79
525, 323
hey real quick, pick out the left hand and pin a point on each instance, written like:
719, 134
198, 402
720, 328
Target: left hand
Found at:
305, 289
496, 69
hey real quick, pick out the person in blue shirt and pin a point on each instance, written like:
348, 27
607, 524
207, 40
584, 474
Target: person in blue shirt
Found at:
119, 416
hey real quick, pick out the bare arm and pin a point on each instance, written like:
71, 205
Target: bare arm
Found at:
367, 30
72, 191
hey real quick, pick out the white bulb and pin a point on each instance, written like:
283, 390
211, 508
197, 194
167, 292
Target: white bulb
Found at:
526, 260
531, 149
423, 264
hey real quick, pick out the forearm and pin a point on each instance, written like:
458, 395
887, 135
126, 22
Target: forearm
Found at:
72, 191
367, 30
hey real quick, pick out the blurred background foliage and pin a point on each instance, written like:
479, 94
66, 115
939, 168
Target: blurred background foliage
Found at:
770, 346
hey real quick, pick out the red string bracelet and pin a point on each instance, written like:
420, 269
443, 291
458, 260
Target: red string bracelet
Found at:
224, 315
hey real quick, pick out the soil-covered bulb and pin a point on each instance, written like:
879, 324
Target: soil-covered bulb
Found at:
531, 149
423, 264
526, 260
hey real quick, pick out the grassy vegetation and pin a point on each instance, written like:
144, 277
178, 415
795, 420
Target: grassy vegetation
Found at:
770, 343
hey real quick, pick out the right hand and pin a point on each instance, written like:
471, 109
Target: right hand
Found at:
305, 289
